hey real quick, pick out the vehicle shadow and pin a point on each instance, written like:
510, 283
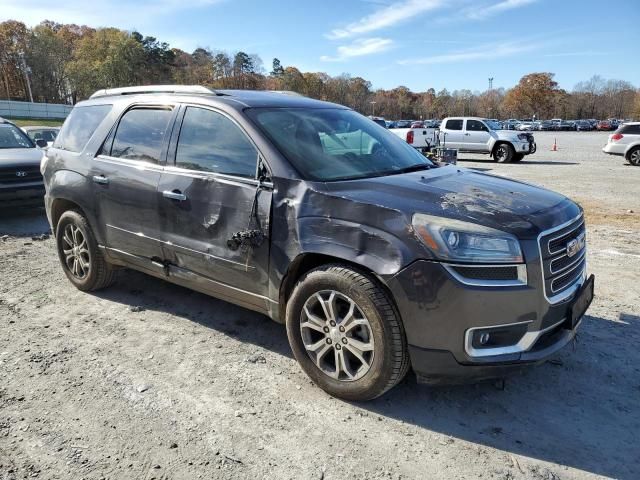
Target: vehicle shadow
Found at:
135, 289
23, 221
551, 412
579, 409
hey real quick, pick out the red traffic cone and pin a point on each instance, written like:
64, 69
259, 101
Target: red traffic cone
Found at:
555, 146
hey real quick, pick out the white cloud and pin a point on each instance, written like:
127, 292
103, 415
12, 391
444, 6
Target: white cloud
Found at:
363, 46
481, 12
386, 17
483, 52
96, 13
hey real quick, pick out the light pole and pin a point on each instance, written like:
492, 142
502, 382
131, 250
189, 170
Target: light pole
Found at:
490, 83
26, 70
373, 108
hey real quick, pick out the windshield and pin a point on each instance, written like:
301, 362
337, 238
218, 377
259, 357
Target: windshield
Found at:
493, 125
46, 135
13, 137
336, 144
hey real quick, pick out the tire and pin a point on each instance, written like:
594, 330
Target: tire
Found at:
633, 157
81, 259
504, 153
518, 157
371, 340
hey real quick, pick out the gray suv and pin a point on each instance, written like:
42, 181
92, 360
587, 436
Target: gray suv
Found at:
375, 258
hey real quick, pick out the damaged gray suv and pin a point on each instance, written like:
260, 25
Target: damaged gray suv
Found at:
375, 258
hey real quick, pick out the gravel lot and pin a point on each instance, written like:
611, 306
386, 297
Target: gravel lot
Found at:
148, 380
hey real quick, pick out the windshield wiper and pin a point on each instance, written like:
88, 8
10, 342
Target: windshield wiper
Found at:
414, 168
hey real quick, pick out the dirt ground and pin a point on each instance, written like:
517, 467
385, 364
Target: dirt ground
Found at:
148, 380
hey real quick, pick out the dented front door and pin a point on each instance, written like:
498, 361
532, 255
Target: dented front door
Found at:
217, 227
214, 211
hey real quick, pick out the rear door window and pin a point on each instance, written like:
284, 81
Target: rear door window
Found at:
140, 134
80, 126
453, 124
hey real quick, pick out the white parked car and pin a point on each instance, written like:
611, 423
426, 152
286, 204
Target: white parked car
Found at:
478, 135
625, 141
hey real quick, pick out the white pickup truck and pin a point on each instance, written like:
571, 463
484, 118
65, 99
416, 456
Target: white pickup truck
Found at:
479, 135
422, 139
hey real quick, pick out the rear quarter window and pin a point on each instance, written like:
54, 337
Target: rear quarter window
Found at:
630, 129
80, 126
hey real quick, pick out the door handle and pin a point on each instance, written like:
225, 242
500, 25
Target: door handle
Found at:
175, 195
101, 179
467, 134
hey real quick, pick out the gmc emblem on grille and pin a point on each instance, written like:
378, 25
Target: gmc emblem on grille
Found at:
575, 246
21, 174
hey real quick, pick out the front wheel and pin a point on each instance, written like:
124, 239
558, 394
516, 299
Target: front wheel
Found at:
81, 259
634, 157
504, 153
346, 334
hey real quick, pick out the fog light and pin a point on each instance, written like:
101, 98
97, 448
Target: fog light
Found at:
484, 338
498, 336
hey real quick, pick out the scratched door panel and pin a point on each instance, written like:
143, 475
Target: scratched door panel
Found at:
197, 229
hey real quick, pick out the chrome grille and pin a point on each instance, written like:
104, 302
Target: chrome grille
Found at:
9, 176
561, 270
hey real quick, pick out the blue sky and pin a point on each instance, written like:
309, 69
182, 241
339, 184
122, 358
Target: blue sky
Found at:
451, 44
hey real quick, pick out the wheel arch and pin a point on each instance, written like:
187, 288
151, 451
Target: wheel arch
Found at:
305, 262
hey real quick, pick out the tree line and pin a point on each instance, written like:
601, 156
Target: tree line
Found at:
65, 63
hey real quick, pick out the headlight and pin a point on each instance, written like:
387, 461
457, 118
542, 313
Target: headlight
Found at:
458, 241
523, 136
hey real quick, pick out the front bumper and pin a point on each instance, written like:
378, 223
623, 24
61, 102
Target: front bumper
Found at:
439, 312
22, 196
525, 147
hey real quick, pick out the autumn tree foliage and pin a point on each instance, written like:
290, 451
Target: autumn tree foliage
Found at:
65, 63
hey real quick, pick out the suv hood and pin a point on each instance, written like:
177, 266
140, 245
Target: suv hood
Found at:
14, 157
453, 192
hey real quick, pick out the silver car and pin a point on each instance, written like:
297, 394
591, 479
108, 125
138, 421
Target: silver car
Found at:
625, 141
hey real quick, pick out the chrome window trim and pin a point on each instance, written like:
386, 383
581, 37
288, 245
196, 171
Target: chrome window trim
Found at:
137, 164
561, 297
524, 344
519, 282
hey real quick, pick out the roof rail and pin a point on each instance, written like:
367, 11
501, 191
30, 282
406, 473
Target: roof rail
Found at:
185, 89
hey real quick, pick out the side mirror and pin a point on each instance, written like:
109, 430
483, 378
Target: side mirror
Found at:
41, 143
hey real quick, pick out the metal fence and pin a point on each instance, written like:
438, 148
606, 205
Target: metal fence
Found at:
12, 109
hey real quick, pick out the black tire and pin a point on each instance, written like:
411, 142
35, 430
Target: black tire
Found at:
633, 157
85, 267
504, 153
518, 157
389, 360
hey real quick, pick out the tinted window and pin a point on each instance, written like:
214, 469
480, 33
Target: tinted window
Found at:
336, 144
210, 142
476, 126
13, 137
79, 127
454, 125
140, 133
630, 129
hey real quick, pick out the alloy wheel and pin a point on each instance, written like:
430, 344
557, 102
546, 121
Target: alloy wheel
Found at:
634, 158
76, 252
337, 335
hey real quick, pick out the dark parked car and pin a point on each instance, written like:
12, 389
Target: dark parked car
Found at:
20, 178
375, 258
548, 125
583, 126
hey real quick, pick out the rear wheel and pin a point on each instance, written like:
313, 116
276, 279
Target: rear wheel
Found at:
504, 153
346, 334
81, 259
634, 157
